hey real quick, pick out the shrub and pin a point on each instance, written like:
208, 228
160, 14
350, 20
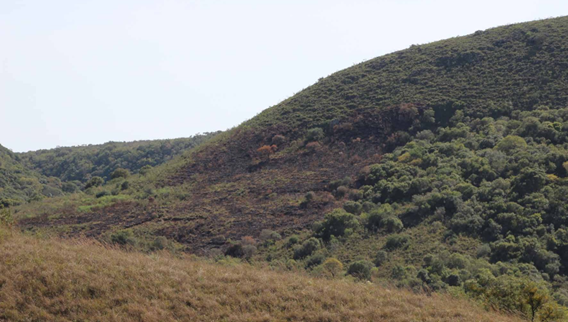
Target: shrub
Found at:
248, 240
335, 223
341, 191
353, 207
308, 248
333, 266
235, 250
69, 187
248, 251
315, 134
145, 169
278, 139
314, 260
396, 241
381, 258
313, 146
293, 240
368, 206
265, 151
94, 182
392, 224
310, 196
424, 276
159, 243
123, 237
102, 194
376, 217
120, 173
355, 195
360, 269
483, 251
510, 143
125, 185
453, 279
267, 234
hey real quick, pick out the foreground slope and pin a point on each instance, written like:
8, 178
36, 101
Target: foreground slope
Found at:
50, 280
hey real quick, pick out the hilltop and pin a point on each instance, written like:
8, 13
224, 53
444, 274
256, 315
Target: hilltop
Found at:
441, 167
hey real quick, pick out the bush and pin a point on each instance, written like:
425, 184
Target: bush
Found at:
392, 224
293, 240
248, 251
313, 146
315, 134
353, 207
267, 234
360, 269
102, 194
308, 248
235, 250
309, 196
396, 241
376, 218
335, 224
120, 173
69, 187
123, 237
333, 266
341, 192
314, 260
510, 143
381, 258
145, 169
278, 139
94, 182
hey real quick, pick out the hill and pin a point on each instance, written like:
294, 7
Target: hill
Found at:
440, 167
18, 184
81, 163
50, 280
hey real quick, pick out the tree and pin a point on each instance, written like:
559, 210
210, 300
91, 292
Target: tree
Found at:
511, 143
360, 269
94, 182
308, 247
529, 180
120, 173
335, 223
333, 266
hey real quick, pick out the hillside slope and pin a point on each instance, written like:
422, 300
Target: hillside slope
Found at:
444, 165
83, 162
18, 184
49, 280
364, 112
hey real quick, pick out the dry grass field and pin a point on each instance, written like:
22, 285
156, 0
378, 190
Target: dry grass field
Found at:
82, 280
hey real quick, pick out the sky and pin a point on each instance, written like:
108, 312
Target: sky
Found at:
88, 72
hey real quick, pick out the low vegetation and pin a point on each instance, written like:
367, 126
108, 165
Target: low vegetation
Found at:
82, 280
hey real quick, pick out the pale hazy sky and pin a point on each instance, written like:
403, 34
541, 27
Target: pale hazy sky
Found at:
79, 72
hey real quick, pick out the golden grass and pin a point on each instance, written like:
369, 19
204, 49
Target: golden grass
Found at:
81, 280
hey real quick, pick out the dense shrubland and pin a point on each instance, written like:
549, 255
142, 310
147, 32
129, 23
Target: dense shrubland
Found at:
501, 180
18, 184
80, 163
